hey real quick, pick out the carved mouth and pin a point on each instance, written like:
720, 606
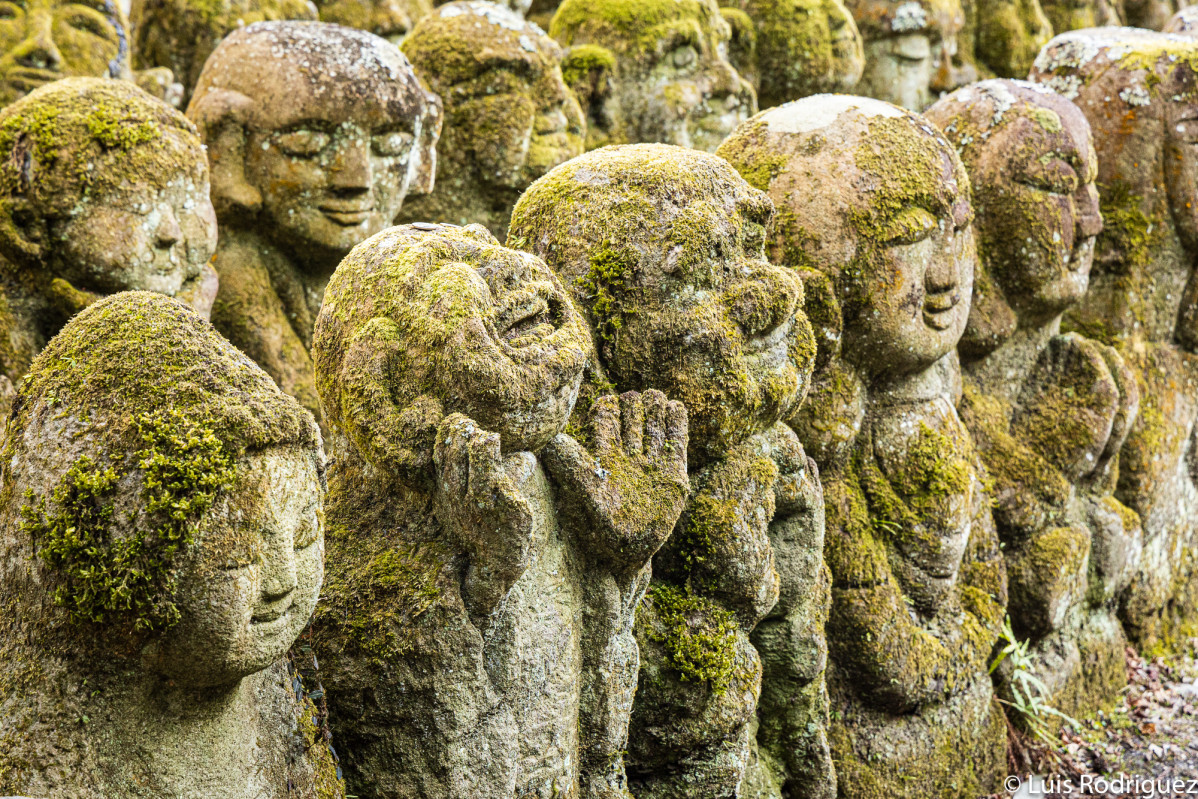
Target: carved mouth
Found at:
271, 618
937, 309
773, 342
29, 79
526, 318
347, 215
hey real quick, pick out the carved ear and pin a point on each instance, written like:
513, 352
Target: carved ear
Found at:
22, 231
221, 117
589, 71
425, 150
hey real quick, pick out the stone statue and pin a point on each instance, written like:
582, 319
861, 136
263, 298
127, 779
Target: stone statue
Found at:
102, 189
1153, 15
46, 40
181, 34
1049, 411
1184, 21
1002, 37
1139, 91
662, 249
390, 19
874, 213
162, 542
910, 49
509, 117
648, 71
800, 48
311, 154
475, 640
1071, 15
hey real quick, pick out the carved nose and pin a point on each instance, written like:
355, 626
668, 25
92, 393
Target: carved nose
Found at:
764, 302
168, 233
1089, 219
279, 577
942, 275
350, 172
38, 51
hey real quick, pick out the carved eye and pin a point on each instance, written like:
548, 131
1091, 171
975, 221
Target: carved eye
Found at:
684, 57
392, 143
909, 226
1186, 131
303, 143
1056, 178
9, 11
91, 23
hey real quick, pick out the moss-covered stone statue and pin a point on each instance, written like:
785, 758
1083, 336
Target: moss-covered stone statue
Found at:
390, 19
102, 189
1049, 411
181, 34
1153, 15
1002, 37
311, 153
162, 541
509, 117
875, 214
1139, 91
911, 49
796, 48
475, 640
1072, 15
652, 71
662, 249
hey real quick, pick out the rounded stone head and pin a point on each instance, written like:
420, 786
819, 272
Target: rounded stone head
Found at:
803, 47
390, 19
876, 199
1139, 91
181, 34
509, 117
163, 496
316, 133
1032, 164
910, 49
662, 248
105, 189
652, 71
47, 40
422, 321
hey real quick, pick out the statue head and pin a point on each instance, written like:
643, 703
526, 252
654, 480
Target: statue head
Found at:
1005, 35
876, 199
47, 40
390, 19
315, 133
162, 502
104, 189
509, 117
802, 47
181, 34
662, 249
647, 71
1032, 164
910, 49
423, 321
1072, 15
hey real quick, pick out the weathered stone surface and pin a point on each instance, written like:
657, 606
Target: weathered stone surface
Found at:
1002, 37
476, 636
1184, 21
181, 34
316, 133
796, 48
910, 49
662, 249
1139, 92
162, 542
1048, 411
390, 19
509, 117
652, 71
47, 40
874, 214
1071, 15
102, 189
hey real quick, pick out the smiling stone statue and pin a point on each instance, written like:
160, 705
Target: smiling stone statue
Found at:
162, 542
105, 189
874, 214
311, 153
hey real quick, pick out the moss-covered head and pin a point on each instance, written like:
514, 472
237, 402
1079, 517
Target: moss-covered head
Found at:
670, 79
1029, 154
803, 47
662, 249
160, 490
418, 323
106, 188
391, 19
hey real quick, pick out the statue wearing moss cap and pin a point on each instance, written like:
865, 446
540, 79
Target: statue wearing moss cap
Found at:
104, 189
162, 542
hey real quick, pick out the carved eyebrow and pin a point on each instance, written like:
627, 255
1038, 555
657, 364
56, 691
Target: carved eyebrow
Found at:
100, 6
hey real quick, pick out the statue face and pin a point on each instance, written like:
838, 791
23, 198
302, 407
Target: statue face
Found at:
137, 238
391, 19
910, 50
45, 40
332, 167
1181, 165
255, 576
